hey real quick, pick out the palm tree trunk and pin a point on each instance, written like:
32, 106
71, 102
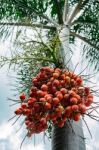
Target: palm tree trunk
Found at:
71, 136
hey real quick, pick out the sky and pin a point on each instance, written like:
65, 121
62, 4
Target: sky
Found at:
9, 139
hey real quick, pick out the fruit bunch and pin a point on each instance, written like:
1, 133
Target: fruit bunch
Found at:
56, 95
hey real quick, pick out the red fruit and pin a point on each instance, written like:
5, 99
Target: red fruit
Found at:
79, 81
66, 96
23, 106
73, 100
56, 101
66, 73
54, 122
27, 122
62, 83
58, 70
33, 94
47, 69
89, 101
30, 103
41, 93
88, 104
82, 108
53, 89
90, 96
51, 70
53, 116
56, 75
42, 75
77, 96
26, 112
74, 107
36, 107
62, 77
72, 93
43, 100
58, 92
81, 90
34, 80
74, 89
59, 109
44, 87
63, 91
70, 74
87, 90
61, 124
68, 111
22, 96
43, 121
18, 111
47, 106
51, 79
76, 117
72, 82
49, 84
49, 99
33, 89
56, 82
67, 79
60, 96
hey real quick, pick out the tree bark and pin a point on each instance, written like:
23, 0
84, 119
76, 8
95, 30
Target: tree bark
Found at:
71, 136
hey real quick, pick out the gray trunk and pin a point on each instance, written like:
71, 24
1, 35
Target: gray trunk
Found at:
71, 136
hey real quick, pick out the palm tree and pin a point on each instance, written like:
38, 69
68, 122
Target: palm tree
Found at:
65, 20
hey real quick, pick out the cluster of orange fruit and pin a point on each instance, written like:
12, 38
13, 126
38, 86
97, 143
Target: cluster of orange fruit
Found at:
56, 95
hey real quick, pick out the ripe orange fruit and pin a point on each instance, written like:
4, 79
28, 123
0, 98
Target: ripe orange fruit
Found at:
59, 96
58, 70
26, 112
56, 101
66, 97
87, 90
56, 82
18, 111
62, 83
61, 124
63, 90
41, 93
76, 117
79, 81
44, 87
56, 75
47, 106
53, 89
73, 100
67, 79
22, 96
82, 108
23, 105
75, 107
68, 111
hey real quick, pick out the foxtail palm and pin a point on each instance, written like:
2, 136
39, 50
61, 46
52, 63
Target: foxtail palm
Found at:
67, 20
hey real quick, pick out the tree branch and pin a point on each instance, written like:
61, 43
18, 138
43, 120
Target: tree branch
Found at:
50, 20
82, 22
65, 12
59, 11
27, 25
84, 40
77, 9
34, 11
